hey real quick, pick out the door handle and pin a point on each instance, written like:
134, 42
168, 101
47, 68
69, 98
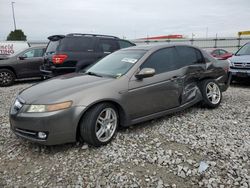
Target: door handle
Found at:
174, 78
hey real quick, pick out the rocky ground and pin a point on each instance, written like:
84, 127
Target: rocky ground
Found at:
197, 147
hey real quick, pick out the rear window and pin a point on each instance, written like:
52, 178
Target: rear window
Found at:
124, 44
76, 44
52, 46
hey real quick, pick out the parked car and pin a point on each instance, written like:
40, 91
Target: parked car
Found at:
220, 54
8, 48
65, 54
240, 63
127, 87
25, 64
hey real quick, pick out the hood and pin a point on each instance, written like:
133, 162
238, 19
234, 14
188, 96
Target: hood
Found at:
59, 88
240, 59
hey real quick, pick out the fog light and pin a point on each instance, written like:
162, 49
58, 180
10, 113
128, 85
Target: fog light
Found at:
42, 135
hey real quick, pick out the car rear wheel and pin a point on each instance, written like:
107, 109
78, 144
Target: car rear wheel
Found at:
211, 93
99, 124
7, 77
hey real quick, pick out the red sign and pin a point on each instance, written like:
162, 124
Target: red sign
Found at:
6, 49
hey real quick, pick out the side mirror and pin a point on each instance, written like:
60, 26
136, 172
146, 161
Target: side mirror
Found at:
22, 57
145, 73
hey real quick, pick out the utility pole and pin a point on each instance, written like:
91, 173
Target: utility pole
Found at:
206, 32
192, 39
13, 13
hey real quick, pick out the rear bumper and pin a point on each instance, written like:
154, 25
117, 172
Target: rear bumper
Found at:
53, 71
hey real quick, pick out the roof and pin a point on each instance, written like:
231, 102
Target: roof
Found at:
163, 37
157, 46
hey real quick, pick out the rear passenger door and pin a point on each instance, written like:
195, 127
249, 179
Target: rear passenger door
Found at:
157, 93
193, 67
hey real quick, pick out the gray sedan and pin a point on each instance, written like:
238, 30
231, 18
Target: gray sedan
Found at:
127, 87
25, 64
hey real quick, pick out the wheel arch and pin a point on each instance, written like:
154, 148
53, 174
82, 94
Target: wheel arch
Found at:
9, 68
123, 119
206, 78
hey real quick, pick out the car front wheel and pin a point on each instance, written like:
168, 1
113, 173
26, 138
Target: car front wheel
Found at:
211, 93
99, 124
7, 77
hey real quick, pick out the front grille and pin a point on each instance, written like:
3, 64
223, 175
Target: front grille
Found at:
241, 65
240, 69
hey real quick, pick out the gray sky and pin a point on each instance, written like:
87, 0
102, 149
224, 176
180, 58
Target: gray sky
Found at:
130, 18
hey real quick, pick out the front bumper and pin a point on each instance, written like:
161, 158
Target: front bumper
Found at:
243, 73
60, 126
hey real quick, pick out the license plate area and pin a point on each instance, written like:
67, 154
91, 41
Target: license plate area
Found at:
241, 74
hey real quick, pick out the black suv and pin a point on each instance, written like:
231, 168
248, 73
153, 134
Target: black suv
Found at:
65, 54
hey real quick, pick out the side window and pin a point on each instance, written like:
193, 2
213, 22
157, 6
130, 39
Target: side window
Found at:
222, 52
189, 56
162, 60
199, 56
216, 52
124, 44
106, 45
29, 54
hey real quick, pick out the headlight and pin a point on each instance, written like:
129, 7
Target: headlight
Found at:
49, 107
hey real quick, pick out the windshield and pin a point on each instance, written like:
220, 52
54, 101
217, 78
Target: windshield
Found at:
117, 63
244, 50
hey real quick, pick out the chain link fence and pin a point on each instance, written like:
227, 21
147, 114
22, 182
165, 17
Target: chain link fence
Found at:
231, 44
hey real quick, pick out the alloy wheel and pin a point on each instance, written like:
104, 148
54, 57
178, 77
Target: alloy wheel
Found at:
213, 93
5, 78
106, 124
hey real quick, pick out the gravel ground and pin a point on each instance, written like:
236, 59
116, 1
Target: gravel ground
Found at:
167, 152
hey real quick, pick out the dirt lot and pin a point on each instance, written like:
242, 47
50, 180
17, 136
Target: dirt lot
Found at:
166, 152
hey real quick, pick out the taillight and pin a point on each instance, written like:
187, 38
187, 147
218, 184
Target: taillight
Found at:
59, 58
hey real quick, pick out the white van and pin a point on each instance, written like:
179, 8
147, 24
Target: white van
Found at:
8, 48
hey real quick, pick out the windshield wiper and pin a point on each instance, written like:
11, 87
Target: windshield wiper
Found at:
93, 74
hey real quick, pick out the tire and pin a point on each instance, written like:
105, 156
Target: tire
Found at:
232, 80
211, 93
99, 124
7, 77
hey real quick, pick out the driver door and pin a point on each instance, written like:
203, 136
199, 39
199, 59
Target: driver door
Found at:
30, 61
159, 92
